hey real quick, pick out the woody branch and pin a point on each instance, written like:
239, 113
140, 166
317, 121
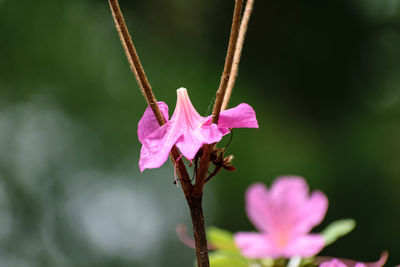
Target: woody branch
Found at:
194, 202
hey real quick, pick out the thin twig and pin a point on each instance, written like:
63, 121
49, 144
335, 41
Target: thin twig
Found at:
228, 60
238, 52
216, 170
205, 158
134, 60
144, 85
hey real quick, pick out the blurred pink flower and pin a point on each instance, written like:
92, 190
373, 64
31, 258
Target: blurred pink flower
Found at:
284, 215
186, 129
338, 263
334, 262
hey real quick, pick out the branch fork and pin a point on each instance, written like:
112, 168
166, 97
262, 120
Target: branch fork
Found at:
193, 192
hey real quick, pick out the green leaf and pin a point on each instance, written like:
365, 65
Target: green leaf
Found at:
226, 259
338, 229
221, 239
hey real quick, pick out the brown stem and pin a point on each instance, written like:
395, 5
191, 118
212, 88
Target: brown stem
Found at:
201, 173
228, 60
182, 173
196, 212
134, 61
238, 52
205, 159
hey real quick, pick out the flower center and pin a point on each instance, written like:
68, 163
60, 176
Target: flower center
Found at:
282, 240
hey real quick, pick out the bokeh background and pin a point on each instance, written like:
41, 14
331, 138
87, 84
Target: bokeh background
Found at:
323, 76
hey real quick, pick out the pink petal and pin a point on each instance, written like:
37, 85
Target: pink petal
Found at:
305, 246
287, 196
191, 124
257, 206
193, 139
241, 116
254, 245
382, 260
333, 263
293, 212
289, 191
312, 212
156, 147
351, 263
148, 123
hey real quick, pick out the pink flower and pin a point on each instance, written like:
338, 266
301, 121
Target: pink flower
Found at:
186, 129
338, 263
334, 262
284, 215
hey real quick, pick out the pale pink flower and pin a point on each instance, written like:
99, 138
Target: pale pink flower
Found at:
186, 129
284, 216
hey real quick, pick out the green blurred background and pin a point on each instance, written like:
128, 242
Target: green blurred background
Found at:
323, 76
